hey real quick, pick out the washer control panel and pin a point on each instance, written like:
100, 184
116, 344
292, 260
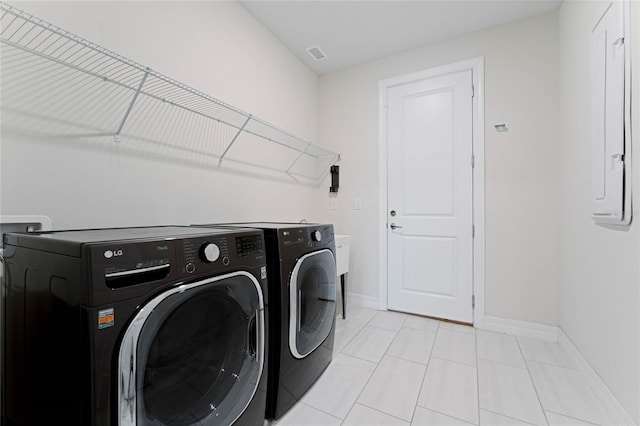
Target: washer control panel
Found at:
219, 251
210, 252
194, 253
249, 245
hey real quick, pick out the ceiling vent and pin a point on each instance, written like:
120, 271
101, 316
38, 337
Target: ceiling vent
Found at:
316, 52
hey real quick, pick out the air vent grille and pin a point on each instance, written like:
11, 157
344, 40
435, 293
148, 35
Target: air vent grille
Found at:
316, 53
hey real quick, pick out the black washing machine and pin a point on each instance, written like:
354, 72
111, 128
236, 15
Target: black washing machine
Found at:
301, 269
135, 326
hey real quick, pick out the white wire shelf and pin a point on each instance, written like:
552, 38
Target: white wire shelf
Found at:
57, 84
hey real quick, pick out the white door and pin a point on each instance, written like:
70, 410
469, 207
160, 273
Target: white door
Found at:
430, 197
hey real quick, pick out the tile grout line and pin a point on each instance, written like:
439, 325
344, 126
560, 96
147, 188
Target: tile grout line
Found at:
449, 415
524, 361
426, 369
573, 369
572, 417
404, 359
456, 362
372, 373
510, 417
386, 353
377, 411
374, 370
358, 332
551, 364
532, 382
374, 361
369, 379
322, 411
569, 359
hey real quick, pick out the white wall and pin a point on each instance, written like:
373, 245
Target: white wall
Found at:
600, 266
215, 47
522, 166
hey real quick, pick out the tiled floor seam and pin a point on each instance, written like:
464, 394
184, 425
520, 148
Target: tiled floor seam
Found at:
359, 359
458, 331
551, 364
453, 417
374, 409
362, 359
492, 361
426, 368
535, 389
509, 417
324, 412
408, 360
504, 363
363, 388
574, 418
382, 328
352, 337
456, 362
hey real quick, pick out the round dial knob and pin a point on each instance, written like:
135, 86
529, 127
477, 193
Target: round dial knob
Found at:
316, 236
210, 252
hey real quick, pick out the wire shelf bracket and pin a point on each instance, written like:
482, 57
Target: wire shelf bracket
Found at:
116, 137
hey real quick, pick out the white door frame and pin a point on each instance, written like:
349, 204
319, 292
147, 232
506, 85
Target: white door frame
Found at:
476, 65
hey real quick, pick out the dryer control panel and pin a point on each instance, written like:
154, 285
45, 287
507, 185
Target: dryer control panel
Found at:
296, 240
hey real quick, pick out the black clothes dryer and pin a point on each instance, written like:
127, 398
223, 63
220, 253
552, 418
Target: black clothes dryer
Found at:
135, 326
301, 270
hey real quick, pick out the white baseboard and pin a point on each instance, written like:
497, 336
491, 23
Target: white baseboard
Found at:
618, 414
363, 301
521, 328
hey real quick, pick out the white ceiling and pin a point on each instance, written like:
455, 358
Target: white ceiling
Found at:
352, 32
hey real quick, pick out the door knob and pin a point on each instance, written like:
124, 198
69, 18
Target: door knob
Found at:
394, 226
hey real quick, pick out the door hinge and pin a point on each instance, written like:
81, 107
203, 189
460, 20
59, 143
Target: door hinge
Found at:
473, 231
473, 91
473, 300
473, 160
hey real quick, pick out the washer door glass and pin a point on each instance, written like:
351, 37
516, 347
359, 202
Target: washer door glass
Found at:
194, 355
312, 294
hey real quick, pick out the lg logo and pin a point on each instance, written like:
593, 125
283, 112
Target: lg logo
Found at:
112, 253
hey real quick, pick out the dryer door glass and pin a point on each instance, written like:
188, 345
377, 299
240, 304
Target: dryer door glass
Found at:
197, 354
313, 301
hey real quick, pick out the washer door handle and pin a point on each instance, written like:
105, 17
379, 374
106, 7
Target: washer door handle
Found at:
299, 310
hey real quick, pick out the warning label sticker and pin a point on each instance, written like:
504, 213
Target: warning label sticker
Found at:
105, 318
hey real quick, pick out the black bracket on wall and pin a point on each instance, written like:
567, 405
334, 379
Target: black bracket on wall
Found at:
335, 178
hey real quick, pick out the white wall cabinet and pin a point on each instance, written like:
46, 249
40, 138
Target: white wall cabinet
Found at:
610, 121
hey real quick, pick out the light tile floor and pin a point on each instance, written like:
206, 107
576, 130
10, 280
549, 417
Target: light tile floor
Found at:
396, 369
